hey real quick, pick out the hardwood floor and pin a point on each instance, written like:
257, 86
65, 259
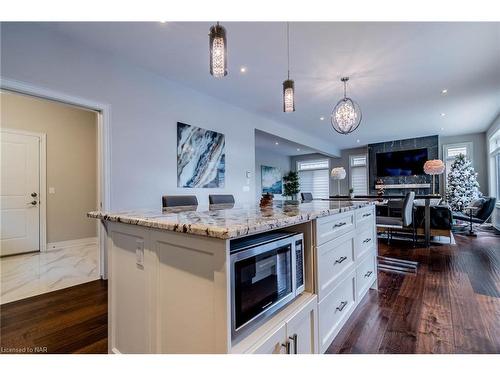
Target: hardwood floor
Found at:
71, 320
452, 304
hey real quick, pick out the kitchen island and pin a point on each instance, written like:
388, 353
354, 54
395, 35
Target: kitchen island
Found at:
169, 277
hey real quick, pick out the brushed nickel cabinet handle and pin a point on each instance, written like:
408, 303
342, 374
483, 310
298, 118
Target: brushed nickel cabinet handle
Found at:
341, 306
366, 215
368, 274
340, 260
295, 339
367, 240
339, 225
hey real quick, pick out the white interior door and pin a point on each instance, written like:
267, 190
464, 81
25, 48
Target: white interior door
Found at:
19, 194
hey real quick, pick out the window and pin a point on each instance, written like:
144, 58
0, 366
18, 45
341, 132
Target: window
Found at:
358, 174
314, 177
312, 164
497, 162
450, 151
494, 167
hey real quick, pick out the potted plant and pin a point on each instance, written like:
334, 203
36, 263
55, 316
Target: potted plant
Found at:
291, 185
351, 193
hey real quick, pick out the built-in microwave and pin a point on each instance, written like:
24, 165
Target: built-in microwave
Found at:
267, 272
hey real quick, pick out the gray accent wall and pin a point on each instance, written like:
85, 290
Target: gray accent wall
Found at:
432, 145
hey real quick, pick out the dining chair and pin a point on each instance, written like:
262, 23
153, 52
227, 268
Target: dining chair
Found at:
179, 200
221, 198
306, 196
405, 221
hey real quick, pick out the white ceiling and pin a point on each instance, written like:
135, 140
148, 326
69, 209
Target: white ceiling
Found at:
397, 70
279, 145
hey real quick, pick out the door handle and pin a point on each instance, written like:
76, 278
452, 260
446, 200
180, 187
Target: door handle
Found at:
340, 260
368, 274
295, 341
367, 240
286, 345
341, 306
366, 215
33, 203
34, 195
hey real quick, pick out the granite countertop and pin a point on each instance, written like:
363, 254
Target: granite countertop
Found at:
228, 221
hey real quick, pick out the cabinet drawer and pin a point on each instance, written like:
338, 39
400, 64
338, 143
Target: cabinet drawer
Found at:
365, 239
366, 273
335, 258
335, 309
365, 215
330, 227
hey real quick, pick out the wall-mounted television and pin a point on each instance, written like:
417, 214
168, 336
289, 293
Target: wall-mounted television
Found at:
401, 163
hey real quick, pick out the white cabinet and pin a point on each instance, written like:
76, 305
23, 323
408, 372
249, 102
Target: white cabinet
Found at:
272, 343
331, 227
296, 334
302, 328
346, 267
334, 259
366, 273
335, 309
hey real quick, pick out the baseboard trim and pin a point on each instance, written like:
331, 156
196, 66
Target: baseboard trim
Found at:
72, 243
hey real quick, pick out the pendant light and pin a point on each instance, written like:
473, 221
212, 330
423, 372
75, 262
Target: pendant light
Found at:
346, 116
288, 84
218, 51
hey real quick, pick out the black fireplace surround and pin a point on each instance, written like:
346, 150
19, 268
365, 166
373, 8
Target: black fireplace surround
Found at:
431, 143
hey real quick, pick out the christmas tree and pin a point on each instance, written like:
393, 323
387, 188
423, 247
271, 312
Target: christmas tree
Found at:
291, 184
462, 187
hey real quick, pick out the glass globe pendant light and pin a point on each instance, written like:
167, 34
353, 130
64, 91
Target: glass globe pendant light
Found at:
218, 51
288, 84
346, 116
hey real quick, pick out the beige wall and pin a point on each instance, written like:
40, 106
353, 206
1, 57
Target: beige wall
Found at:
71, 160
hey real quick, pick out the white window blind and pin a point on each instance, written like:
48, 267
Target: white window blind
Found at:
315, 182
359, 174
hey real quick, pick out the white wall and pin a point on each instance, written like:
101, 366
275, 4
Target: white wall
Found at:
495, 126
145, 109
270, 159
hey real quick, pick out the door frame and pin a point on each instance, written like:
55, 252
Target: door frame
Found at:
103, 150
42, 181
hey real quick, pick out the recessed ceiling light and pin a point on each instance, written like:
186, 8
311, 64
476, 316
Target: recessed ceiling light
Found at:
163, 21
444, 91
442, 128
298, 149
243, 69
357, 140
276, 143
321, 118
443, 114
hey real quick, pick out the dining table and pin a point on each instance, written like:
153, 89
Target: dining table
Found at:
384, 198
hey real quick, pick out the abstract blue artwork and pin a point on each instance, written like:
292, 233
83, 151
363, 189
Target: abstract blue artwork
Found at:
200, 157
271, 180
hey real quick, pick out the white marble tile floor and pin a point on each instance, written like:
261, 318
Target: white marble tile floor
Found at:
27, 275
